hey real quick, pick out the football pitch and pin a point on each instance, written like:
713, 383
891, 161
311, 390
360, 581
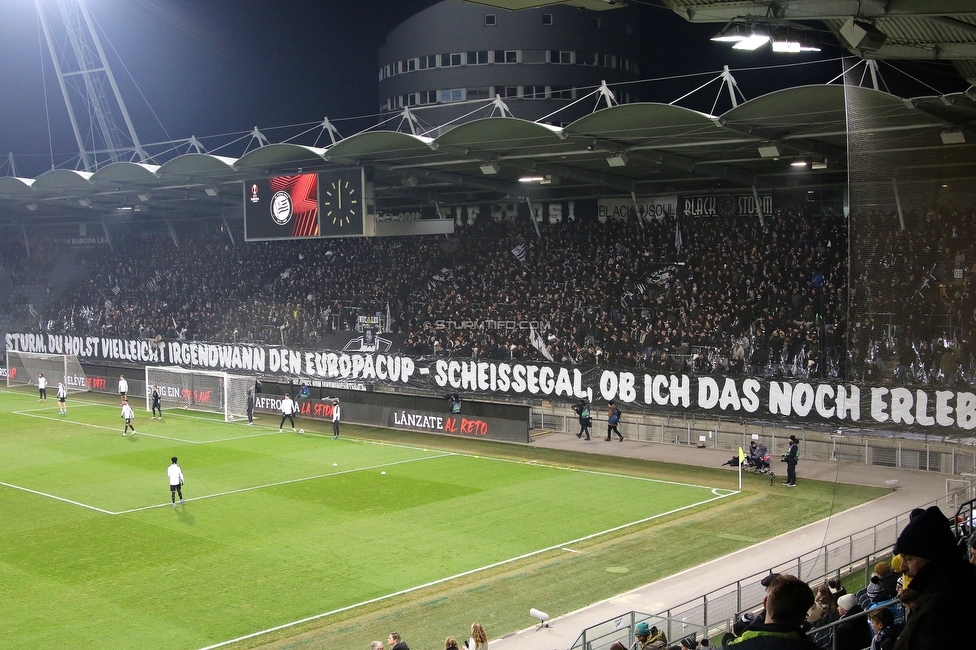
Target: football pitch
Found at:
277, 528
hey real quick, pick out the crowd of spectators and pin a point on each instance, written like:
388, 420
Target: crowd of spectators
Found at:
732, 296
911, 295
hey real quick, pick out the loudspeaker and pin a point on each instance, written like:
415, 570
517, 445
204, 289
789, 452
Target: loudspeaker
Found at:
862, 36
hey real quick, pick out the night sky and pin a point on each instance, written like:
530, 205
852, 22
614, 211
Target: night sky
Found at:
209, 67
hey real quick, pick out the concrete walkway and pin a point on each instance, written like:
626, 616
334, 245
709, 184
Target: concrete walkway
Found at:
914, 488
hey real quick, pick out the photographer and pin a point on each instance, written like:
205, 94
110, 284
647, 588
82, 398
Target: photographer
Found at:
582, 410
455, 401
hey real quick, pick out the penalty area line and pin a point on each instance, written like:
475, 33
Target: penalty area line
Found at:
57, 498
456, 576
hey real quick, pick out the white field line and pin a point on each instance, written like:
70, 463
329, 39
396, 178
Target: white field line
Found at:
566, 468
221, 494
458, 575
57, 498
29, 414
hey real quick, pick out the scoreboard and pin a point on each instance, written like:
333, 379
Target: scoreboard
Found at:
317, 205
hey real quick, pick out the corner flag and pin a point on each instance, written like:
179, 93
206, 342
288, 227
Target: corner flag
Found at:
742, 456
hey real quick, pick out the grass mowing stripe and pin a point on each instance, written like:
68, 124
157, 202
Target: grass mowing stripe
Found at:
286, 482
463, 574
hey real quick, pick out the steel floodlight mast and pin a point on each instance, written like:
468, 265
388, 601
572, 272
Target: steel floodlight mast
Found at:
88, 86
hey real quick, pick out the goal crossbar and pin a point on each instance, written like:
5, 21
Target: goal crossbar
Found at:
199, 390
25, 368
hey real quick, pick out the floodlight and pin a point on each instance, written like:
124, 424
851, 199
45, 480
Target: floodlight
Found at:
769, 150
617, 159
489, 168
818, 164
144, 196
731, 34
751, 43
798, 163
32, 207
211, 191
532, 179
786, 45
791, 43
85, 203
542, 616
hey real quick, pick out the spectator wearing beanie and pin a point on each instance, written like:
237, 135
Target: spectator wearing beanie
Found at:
882, 585
851, 634
942, 592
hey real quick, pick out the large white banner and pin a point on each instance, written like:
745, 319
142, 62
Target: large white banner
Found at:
940, 411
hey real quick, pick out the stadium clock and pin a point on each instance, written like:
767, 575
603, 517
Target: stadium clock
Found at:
342, 204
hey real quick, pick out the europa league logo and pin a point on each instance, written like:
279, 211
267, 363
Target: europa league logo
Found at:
281, 208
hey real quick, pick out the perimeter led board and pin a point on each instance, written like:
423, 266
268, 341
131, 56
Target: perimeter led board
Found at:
283, 207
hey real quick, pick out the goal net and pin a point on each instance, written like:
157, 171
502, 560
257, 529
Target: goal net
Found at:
199, 390
24, 369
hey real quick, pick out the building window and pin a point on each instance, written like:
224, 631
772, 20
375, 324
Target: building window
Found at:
476, 93
596, 23
586, 58
448, 60
535, 92
609, 61
510, 92
452, 95
477, 58
428, 96
409, 65
489, 19
546, 19
561, 92
506, 56
429, 61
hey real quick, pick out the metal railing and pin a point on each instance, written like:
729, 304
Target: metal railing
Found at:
844, 445
716, 611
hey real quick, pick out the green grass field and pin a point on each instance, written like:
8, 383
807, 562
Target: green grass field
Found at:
280, 527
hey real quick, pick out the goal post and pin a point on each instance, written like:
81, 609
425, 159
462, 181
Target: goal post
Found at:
23, 369
199, 390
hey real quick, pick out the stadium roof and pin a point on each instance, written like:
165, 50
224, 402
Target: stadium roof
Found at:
911, 29
633, 149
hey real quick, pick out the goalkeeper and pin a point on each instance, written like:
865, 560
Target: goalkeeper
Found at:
175, 473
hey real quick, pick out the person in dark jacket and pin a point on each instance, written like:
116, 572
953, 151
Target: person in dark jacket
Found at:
395, 642
942, 592
881, 588
582, 410
882, 621
787, 601
791, 458
852, 631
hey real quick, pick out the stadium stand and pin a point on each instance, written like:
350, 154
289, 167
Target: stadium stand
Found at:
731, 298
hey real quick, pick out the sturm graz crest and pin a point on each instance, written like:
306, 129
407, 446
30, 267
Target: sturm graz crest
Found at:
281, 208
726, 206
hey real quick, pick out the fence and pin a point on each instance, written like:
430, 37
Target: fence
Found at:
925, 453
715, 611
